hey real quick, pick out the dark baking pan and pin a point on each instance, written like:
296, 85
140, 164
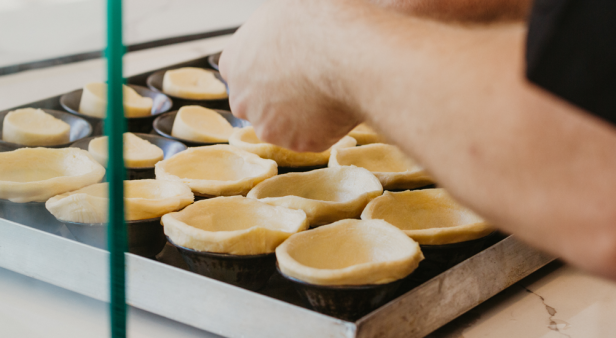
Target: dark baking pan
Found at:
164, 124
169, 147
439, 258
347, 302
247, 271
161, 104
80, 129
145, 237
286, 170
155, 82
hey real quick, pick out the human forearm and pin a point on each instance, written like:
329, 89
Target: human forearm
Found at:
461, 10
530, 163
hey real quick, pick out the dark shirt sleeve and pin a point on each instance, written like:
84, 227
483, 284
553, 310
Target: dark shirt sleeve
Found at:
571, 52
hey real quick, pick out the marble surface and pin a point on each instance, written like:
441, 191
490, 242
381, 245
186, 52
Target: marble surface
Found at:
557, 301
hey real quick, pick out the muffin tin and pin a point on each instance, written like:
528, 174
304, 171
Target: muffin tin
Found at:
155, 83
169, 147
276, 310
80, 129
161, 104
164, 124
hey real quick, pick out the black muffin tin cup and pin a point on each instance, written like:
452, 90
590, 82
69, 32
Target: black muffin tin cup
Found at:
247, 271
439, 258
155, 83
346, 302
32, 214
161, 104
286, 170
169, 147
80, 129
163, 125
145, 237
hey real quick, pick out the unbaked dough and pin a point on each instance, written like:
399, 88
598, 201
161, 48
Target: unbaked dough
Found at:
365, 135
246, 139
349, 252
36, 174
386, 162
428, 216
193, 84
195, 123
218, 170
144, 199
34, 127
233, 225
138, 153
326, 195
94, 101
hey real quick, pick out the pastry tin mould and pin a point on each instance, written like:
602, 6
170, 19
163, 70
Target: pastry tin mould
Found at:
167, 288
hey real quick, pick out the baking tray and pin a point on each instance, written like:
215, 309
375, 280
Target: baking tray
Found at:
165, 287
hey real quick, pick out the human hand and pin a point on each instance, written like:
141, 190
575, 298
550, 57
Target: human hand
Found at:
282, 70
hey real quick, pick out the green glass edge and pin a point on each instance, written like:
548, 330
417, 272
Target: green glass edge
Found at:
114, 129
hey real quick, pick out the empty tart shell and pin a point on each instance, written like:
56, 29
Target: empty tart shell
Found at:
326, 195
430, 216
394, 169
246, 139
36, 174
143, 199
365, 135
219, 170
233, 225
349, 252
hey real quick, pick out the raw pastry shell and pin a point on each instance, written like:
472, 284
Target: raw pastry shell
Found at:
144, 199
412, 177
227, 156
75, 168
451, 222
272, 226
326, 187
246, 139
365, 135
349, 252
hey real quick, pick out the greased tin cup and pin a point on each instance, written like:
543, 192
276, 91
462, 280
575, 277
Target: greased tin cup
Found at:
161, 104
145, 237
169, 147
163, 125
80, 129
347, 302
155, 82
32, 214
247, 271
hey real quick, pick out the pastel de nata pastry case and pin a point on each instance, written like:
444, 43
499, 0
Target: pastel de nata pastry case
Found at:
147, 191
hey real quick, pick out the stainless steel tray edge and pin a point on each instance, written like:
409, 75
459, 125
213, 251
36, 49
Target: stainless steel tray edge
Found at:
162, 289
454, 292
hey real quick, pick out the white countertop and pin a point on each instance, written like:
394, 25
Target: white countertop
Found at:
557, 301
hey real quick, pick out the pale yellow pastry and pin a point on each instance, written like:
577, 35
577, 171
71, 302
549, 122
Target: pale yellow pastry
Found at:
233, 225
138, 153
428, 216
193, 84
326, 195
246, 139
386, 162
199, 124
349, 252
143, 199
36, 174
94, 101
365, 135
34, 127
219, 170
